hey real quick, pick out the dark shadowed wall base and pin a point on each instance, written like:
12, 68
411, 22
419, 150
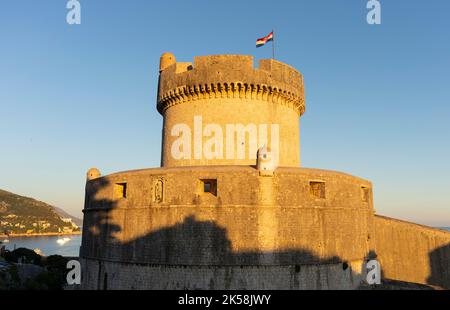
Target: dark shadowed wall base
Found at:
109, 275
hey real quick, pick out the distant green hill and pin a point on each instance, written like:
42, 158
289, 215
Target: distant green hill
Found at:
23, 215
64, 214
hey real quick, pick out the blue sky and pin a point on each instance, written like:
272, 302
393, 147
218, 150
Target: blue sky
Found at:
73, 97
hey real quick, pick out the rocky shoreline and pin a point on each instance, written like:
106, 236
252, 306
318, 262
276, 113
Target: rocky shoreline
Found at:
40, 234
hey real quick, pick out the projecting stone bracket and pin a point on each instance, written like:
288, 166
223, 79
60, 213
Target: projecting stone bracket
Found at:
237, 90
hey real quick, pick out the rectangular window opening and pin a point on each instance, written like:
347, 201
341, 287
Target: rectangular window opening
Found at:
209, 186
120, 190
317, 189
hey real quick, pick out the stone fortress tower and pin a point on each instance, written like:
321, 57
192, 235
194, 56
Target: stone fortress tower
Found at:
230, 207
226, 90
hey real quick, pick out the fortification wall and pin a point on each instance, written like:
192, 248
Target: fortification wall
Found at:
258, 232
411, 252
227, 90
166, 218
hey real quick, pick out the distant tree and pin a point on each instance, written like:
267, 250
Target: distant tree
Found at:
23, 255
52, 278
45, 281
56, 266
56, 263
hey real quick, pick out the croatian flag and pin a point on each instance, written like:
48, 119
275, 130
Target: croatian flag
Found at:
262, 41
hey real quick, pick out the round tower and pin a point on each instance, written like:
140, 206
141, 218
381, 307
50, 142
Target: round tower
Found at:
220, 110
93, 173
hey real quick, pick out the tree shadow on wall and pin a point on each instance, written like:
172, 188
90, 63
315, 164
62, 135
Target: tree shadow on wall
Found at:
440, 267
98, 226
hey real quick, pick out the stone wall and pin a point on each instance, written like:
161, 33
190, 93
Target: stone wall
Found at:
165, 219
303, 225
272, 120
167, 208
411, 252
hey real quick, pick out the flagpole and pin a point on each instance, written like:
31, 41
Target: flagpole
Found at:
273, 44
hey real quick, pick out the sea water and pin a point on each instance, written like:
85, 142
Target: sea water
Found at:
48, 245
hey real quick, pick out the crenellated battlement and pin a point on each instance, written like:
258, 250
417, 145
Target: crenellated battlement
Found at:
229, 76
